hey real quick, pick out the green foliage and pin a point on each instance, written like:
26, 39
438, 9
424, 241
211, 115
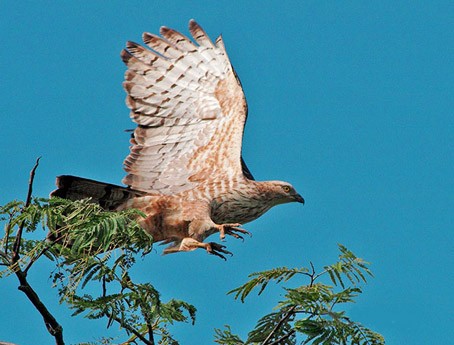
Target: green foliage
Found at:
93, 251
225, 336
261, 280
309, 313
348, 266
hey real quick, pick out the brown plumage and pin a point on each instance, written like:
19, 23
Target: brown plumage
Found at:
185, 169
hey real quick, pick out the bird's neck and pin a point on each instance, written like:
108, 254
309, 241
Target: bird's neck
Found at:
242, 204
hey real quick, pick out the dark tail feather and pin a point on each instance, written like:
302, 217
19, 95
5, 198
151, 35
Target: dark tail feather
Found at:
109, 196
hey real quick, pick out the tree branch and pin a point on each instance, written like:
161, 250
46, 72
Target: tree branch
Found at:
16, 247
53, 327
150, 333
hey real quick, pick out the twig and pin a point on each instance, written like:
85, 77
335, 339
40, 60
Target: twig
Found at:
53, 327
312, 275
320, 274
104, 288
4, 257
279, 324
16, 247
280, 340
359, 329
7, 232
129, 328
32, 261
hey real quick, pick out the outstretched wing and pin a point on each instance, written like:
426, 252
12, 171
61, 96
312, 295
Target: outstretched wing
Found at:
190, 110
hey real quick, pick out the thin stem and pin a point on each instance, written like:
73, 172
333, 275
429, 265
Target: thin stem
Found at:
5, 257
104, 287
360, 331
320, 274
32, 261
280, 340
312, 274
313, 268
7, 232
279, 324
16, 247
53, 327
130, 329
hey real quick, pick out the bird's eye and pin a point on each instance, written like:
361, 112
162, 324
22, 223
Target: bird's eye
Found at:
286, 189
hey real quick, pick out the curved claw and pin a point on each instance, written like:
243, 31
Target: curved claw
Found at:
232, 229
243, 231
233, 234
216, 249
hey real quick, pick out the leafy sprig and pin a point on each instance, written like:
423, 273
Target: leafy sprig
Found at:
308, 313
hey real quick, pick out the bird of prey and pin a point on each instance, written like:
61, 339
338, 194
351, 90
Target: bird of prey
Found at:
185, 170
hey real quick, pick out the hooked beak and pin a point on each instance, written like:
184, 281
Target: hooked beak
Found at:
299, 198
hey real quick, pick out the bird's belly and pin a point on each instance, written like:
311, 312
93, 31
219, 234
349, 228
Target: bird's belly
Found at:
164, 228
164, 217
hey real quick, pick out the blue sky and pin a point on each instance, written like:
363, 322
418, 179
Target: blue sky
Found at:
350, 101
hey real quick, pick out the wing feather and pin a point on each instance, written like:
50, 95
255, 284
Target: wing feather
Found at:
160, 45
178, 39
190, 110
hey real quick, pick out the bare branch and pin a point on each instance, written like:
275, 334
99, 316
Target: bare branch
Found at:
150, 333
16, 247
53, 327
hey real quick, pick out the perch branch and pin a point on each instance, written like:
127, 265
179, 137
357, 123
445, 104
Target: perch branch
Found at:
53, 327
16, 247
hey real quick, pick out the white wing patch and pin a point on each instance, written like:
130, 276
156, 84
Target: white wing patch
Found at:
190, 110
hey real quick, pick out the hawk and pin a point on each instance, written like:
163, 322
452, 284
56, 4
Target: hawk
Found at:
185, 171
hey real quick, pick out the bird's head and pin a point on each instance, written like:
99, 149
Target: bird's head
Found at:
282, 192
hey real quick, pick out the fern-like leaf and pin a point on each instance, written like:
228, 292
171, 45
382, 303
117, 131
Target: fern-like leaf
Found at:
261, 280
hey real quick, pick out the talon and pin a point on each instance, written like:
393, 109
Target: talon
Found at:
243, 231
231, 233
232, 229
216, 249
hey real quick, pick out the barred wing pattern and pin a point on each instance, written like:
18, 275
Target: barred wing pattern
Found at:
190, 110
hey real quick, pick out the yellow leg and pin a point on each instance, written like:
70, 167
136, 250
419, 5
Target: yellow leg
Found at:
189, 244
232, 230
